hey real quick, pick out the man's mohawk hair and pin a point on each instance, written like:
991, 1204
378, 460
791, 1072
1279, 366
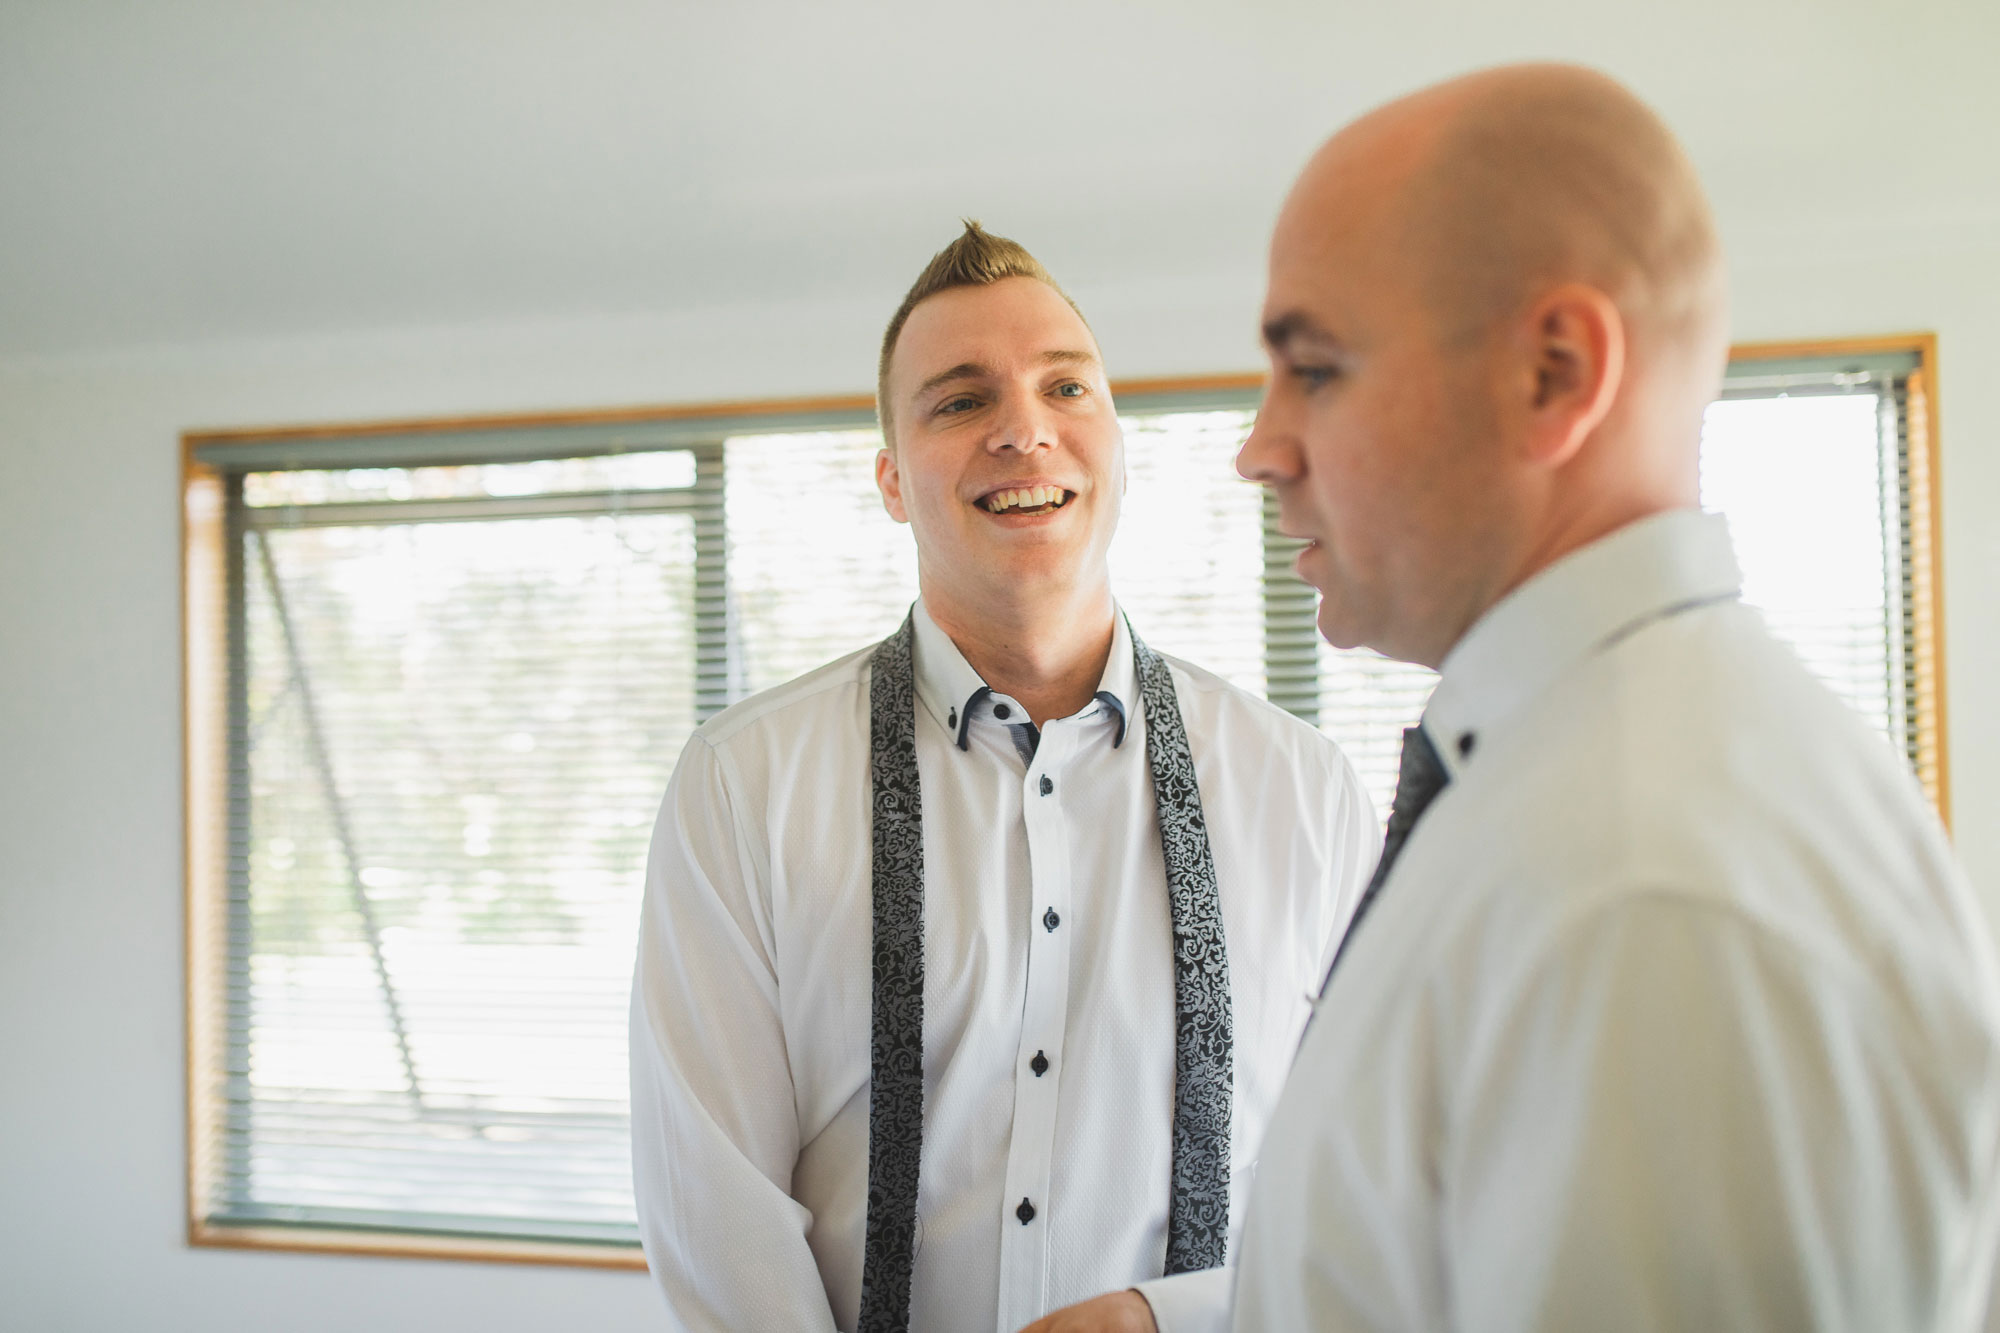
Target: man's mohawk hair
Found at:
977, 258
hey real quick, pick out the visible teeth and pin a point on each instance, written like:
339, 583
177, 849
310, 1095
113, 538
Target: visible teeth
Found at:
1033, 497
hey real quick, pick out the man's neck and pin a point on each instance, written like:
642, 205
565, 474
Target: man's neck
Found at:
1047, 653
1564, 533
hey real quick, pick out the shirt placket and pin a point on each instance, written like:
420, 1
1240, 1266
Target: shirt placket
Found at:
1027, 1209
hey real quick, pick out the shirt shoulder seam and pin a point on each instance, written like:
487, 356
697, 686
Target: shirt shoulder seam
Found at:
1199, 679
798, 692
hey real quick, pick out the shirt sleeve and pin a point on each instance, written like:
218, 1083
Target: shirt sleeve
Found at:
714, 1130
1190, 1302
1681, 1118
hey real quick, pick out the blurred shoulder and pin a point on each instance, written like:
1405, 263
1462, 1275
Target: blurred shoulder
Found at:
1221, 714
827, 694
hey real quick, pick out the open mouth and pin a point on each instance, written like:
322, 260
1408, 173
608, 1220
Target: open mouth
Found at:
1027, 500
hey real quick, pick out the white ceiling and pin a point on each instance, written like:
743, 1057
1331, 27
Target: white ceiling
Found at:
178, 172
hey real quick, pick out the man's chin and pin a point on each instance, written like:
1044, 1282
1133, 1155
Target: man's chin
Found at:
1023, 570
1338, 630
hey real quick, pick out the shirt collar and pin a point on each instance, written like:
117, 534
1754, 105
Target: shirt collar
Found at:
1120, 681
950, 690
1587, 600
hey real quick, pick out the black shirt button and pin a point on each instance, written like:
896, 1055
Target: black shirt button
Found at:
1465, 744
1040, 1064
1050, 919
1026, 1212
952, 721
1002, 711
1048, 784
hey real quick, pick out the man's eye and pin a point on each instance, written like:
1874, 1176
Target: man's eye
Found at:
1313, 377
1072, 389
964, 402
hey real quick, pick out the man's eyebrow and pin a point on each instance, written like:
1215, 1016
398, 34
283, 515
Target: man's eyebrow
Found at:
975, 370
1293, 326
964, 370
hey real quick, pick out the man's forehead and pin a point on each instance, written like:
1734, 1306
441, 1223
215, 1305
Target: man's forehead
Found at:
1332, 219
1315, 282
1336, 258
994, 329
1354, 191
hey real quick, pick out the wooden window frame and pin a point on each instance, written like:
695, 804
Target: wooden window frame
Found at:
1932, 760
206, 727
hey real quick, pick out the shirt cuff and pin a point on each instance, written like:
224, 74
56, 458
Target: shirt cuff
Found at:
1191, 1302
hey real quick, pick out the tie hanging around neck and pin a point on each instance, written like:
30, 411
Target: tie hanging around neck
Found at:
1204, 1068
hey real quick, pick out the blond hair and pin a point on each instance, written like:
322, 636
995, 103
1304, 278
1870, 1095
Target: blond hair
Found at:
977, 258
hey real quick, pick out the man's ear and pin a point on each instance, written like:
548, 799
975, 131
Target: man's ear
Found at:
1572, 358
889, 481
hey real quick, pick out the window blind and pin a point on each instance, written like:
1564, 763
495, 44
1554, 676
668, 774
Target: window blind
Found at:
461, 691
1810, 463
460, 670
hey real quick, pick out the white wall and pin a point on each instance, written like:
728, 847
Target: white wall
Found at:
1856, 187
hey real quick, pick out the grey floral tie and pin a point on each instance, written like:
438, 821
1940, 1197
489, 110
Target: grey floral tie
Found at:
1204, 1058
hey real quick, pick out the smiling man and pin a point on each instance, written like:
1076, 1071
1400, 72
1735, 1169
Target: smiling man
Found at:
972, 963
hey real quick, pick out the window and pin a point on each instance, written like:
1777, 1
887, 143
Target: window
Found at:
438, 677
1822, 459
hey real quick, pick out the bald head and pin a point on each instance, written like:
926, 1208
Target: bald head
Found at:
1496, 315
1506, 182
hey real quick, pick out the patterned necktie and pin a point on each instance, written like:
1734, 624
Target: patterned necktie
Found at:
1419, 780
1204, 1059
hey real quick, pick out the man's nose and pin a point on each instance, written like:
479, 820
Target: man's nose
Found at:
1257, 459
1021, 424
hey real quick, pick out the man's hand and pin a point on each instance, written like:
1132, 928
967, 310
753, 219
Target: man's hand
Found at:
1120, 1312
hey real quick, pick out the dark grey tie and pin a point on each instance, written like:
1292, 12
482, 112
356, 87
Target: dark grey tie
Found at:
1204, 1059
1419, 780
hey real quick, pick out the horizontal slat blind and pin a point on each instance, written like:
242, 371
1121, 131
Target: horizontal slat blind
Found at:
1801, 480
457, 733
1187, 563
460, 684
1366, 701
817, 568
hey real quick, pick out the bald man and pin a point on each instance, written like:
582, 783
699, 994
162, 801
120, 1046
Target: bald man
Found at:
1667, 1007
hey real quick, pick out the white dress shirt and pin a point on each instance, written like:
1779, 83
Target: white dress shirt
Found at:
1675, 1012
1047, 933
